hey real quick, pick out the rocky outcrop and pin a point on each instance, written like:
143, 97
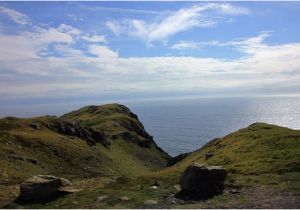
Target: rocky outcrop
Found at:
177, 158
43, 188
201, 182
70, 128
209, 155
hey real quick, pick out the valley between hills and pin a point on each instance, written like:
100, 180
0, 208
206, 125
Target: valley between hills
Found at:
112, 160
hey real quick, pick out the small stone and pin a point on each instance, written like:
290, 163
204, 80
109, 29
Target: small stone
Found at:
209, 155
177, 187
150, 202
154, 187
101, 198
124, 198
156, 183
233, 191
35, 126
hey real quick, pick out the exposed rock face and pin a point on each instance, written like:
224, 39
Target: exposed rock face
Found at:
200, 182
209, 155
43, 188
35, 126
75, 129
177, 159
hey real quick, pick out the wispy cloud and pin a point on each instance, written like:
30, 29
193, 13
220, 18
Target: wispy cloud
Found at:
184, 19
119, 10
15, 16
102, 51
29, 44
183, 45
246, 45
229, 9
264, 66
94, 38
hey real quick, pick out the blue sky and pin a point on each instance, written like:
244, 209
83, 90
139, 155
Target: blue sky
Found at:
82, 51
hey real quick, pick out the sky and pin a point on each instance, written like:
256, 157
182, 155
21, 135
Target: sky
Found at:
69, 52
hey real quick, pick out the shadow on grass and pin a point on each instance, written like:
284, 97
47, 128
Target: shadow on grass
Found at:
22, 200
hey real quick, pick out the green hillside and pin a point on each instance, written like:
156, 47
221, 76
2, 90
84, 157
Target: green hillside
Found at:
260, 149
118, 168
42, 145
263, 165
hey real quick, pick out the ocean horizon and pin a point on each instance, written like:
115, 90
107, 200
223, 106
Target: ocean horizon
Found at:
184, 125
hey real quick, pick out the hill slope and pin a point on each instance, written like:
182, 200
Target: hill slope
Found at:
126, 133
263, 165
262, 161
260, 149
58, 146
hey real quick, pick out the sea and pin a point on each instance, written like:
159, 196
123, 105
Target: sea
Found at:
181, 125
184, 125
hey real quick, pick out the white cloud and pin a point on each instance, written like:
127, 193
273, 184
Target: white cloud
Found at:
246, 45
94, 38
67, 51
183, 45
45, 36
114, 27
119, 10
265, 66
184, 19
229, 9
28, 45
68, 29
74, 17
16, 16
102, 51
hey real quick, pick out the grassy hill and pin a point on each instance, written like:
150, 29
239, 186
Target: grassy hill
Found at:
260, 149
42, 145
132, 150
263, 164
262, 161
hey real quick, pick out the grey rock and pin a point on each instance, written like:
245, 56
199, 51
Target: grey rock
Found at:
35, 126
124, 198
209, 155
151, 202
177, 159
43, 188
234, 191
199, 181
156, 183
75, 129
101, 198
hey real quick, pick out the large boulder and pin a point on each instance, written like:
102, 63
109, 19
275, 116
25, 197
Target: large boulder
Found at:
44, 188
201, 182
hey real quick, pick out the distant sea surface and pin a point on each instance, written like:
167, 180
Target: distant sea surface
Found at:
184, 125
